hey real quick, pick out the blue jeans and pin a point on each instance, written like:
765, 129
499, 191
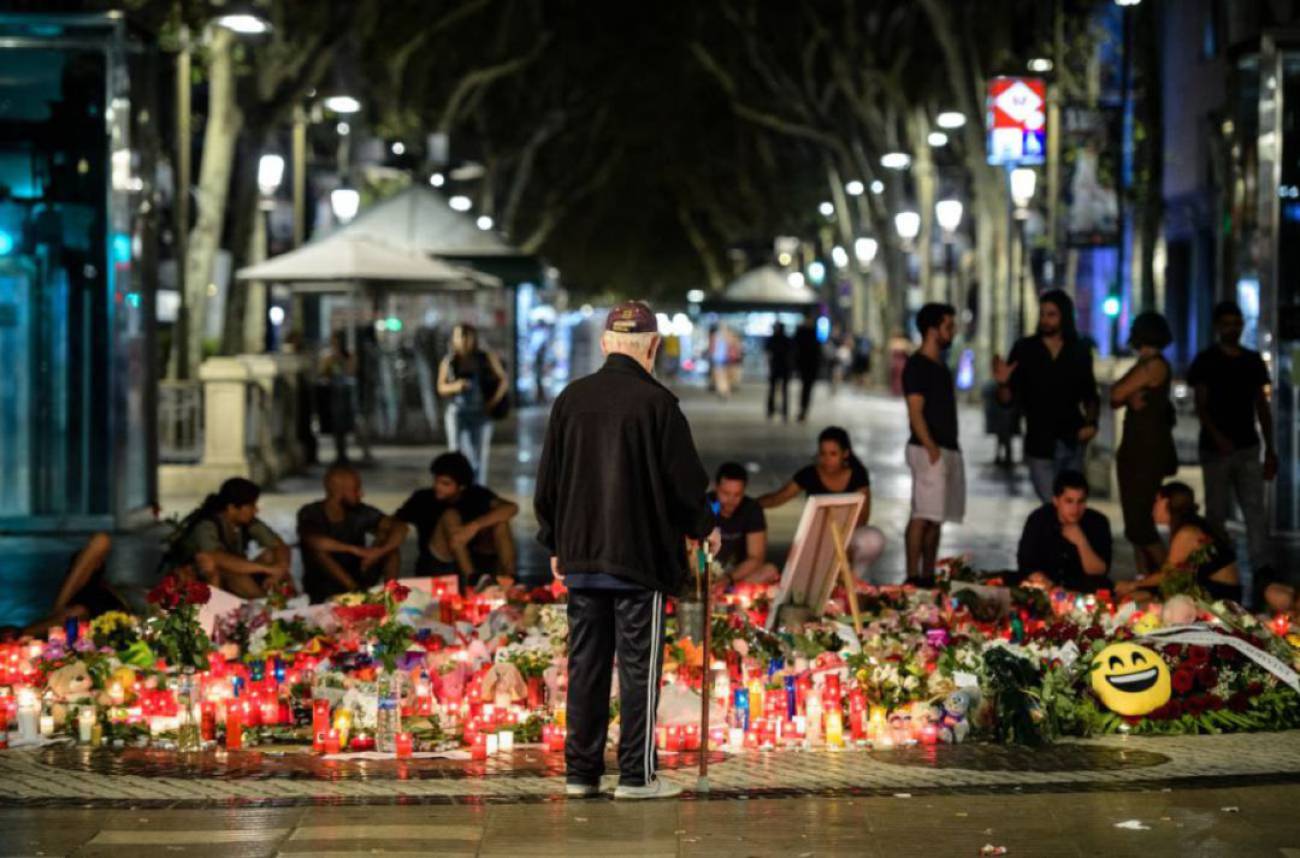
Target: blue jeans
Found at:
1042, 472
470, 433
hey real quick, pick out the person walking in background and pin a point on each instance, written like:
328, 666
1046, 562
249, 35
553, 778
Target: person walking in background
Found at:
933, 453
778, 372
1049, 377
720, 356
1146, 454
335, 382
1232, 395
476, 383
620, 488
808, 360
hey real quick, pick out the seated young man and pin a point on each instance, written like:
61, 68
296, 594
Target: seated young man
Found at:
462, 527
740, 520
332, 535
1064, 543
214, 540
84, 593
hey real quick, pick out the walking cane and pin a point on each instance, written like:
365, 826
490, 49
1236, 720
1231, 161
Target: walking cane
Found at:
705, 561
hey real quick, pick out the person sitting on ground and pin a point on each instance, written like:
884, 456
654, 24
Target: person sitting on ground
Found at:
1064, 543
1194, 545
214, 540
332, 536
84, 593
463, 527
740, 520
838, 471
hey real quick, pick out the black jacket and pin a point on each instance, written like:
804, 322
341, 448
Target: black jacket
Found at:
620, 485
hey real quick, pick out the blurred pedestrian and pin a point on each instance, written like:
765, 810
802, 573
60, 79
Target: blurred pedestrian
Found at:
778, 371
808, 361
1146, 454
335, 401
720, 358
1232, 396
476, 383
933, 451
1049, 378
619, 487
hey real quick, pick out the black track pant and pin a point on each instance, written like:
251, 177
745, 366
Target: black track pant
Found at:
601, 623
781, 384
807, 381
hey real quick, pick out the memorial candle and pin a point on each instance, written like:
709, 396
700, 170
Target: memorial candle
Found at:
333, 743
320, 721
404, 743
234, 728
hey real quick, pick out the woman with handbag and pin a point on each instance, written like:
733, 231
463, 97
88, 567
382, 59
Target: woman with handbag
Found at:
476, 385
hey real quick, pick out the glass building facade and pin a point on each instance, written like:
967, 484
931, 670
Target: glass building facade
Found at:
77, 377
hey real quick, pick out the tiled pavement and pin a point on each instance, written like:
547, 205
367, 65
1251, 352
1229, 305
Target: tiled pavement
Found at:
51, 776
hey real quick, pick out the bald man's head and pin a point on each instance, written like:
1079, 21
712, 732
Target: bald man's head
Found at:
343, 484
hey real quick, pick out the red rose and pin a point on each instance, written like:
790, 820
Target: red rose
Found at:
1172, 650
1198, 655
1183, 680
1239, 702
1175, 708
198, 593
1207, 676
1196, 704
1254, 688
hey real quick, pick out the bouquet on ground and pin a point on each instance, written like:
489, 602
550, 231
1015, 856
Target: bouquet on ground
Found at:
373, 616
174, 631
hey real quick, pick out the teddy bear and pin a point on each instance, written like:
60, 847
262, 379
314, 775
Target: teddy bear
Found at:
952, 715
503, 681
69, 685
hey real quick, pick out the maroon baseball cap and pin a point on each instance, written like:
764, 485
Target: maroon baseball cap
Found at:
632, 317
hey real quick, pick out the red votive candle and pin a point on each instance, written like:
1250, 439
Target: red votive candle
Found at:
333, 742
405, 743
320, 722
234, 729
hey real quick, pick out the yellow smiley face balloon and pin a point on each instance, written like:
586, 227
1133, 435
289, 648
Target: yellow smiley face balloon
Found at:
1130, 679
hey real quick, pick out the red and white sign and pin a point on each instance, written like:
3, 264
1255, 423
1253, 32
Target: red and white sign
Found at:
1016, 120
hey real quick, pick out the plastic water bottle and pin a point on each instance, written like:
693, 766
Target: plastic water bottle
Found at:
389, 718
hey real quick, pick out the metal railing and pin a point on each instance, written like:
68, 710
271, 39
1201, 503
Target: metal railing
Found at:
180, 422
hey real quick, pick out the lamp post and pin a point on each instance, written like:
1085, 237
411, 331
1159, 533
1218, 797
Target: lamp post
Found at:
1115, 300
948, 213
345, 202
1023, 183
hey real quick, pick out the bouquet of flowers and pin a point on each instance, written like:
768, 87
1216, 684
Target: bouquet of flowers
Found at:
115, 630
373, 616
175, 631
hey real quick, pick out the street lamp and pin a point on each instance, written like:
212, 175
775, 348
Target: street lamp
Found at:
484, 222
950, 119
345, 202
877, 186
948, 213
342, 104
1023, 182
865, 250
937, 139
908, 225
840, 257
854, 188
437, 180
244, 23
460, 203
895, 160
825, 209
270, 173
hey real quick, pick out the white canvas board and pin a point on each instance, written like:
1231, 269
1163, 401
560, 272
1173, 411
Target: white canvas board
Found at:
811, 571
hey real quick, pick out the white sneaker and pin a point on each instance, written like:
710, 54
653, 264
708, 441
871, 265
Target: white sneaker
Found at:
657, 788
581, 790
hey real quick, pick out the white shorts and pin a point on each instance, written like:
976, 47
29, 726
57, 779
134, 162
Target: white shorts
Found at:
939, 489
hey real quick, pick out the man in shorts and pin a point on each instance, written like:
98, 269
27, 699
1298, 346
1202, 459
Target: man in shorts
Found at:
933, 454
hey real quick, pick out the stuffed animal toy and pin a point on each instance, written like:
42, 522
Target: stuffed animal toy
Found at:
1179, 611
954, 713
70, 685
503, 680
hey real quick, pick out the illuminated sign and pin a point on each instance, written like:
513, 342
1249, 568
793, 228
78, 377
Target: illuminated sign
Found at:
1016, 121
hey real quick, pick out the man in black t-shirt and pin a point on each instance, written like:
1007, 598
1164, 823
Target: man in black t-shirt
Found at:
1064, 543
1232, 393
462, 527
933, 454
333, 533
743, 527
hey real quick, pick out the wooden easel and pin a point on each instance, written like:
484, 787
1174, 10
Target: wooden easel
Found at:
846, 575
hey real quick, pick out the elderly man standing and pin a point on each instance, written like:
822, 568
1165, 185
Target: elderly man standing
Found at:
619, 488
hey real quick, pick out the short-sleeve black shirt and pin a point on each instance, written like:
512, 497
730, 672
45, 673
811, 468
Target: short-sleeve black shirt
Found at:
1044, 549
423, 509
933, 380
810, 481
748, 518
357, 523
1233, 384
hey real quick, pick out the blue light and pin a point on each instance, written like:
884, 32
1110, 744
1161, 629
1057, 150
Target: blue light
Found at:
1111, 306
816, 272
121, 248
6, 243
823, 329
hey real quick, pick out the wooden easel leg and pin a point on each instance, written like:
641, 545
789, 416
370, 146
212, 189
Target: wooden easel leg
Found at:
846, 574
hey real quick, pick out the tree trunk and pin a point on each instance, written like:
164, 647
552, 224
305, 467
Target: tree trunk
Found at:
245, 213
219, 137
926, 183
